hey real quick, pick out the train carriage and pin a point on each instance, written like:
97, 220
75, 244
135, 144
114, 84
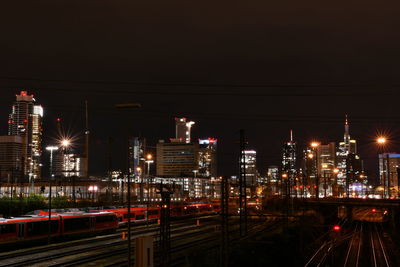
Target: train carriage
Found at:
36, 227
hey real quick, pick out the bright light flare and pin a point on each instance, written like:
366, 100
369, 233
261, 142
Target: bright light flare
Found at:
314, 144
381, 140
65, 142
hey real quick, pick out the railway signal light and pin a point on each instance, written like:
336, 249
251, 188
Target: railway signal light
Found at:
374, 210
337, 228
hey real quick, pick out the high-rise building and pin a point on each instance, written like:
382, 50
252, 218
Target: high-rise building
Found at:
207, 158
177, 159
137, 151
273, 180
183, 130
250, 159
389, 164
10, 158
289, 157
68, 164
326, 159
25, 120
347, 147
310, 158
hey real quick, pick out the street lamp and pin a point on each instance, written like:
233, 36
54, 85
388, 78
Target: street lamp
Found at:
65, 143
325, 166
315, 146
149, 160
382, 141
51, 149
335, 172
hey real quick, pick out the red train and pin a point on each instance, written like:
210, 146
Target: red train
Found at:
35, 227
89, 221
142, 212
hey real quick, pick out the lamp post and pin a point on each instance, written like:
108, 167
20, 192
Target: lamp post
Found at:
382, 141
324, 166
283, 184
315, 146
149, 160
51, 149
65, 143
335, 172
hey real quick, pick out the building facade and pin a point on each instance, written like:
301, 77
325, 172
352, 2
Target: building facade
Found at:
207, 158
183, 130
345, 148
137, 152
10, 158
250, 158
389, 164
177, 159
25, 120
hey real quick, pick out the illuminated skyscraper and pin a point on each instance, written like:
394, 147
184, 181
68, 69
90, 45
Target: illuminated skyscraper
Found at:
207, 157
347, 147
389, 164
137, 151
250, 158
289, 157
183, 129
25, 121
68, 165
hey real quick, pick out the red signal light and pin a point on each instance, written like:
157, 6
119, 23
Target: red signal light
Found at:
58, 119
336, 228
374, 210
315, 186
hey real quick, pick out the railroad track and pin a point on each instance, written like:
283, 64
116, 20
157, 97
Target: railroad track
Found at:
137, 230
378, 251
180, 245
320, 256
46, 253
352, 258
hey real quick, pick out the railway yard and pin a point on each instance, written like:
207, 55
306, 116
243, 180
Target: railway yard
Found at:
111, 249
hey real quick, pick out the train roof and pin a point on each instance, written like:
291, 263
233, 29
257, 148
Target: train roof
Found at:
55, 216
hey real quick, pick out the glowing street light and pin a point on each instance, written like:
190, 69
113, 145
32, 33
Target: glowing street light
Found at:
381, 140
65, 142
314, 144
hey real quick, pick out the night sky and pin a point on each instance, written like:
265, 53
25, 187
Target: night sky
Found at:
265, 67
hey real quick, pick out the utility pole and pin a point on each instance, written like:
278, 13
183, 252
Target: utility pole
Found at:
110, 188
165, 227
224, 222
128, 172
242, 186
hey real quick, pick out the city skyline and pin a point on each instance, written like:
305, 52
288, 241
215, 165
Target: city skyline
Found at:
269, 159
